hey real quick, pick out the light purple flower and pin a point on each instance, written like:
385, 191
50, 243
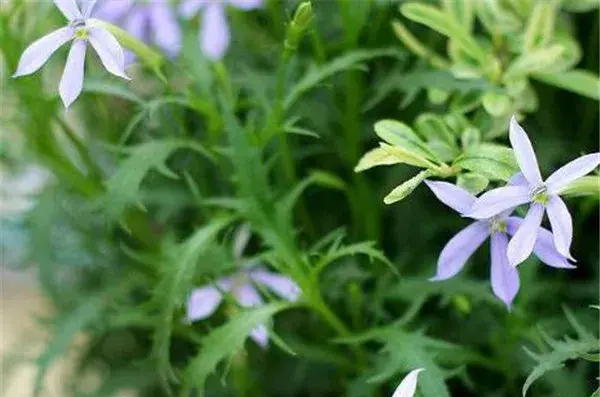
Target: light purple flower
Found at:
542, 195
204, 301
504, 278
408, 386
214, 34
81, 29
152, 21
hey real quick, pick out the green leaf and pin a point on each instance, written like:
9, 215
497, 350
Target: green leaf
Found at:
433, 128
472, 182
417, 47
349, 61
584, 186
175, 284
580, 5
400, 192
112, 88
406, 156
540, 25
337, 251
123, 187
376, 157
578, 81
537, 61
399, 134
497, 18
470, 138
445, 24
496, 104
492, 161
462, 11
224, 342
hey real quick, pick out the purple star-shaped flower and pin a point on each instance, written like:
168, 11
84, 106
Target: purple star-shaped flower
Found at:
203, 301
81, 30
542, 195
151, 21
214, 34
504, 278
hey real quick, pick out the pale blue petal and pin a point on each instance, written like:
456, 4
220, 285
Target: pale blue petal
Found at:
214, 36
518, 179
408, 386
246, 295
453, 196
521, 245
246, 4
71, 81
165, 28
112, 10
87, 6
283, 286
504, 278
109, 50
202, 303
524, 153
562, 225
189, 8
41, 50
544, 247
568, 173
260, 335
69, 9
495, 201
459, 249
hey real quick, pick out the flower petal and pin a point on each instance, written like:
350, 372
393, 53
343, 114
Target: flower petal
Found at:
214, 36
521, 245
281, 285
544, 247
408, 386
562, 177
165, 28
109, 50
189, 8
495, 201
71, 81
112, 10
562, 225
504, 278
69, 9
524, 152
87, 6
245, 4
246, 295
41, 50
260, 335
453, 196
518, 179
459, 249
203, 302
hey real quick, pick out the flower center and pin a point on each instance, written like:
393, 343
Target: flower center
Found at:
80, 28
497, 225
539, 194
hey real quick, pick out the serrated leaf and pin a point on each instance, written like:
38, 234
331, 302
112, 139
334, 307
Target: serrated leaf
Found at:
375, 157
579, 81
472, 182
122, 189
446, 24
349, 61
224, 342
492, 161
400, 192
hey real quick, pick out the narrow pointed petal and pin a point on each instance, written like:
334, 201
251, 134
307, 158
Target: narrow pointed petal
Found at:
87, 7
498, 200
260, 335
71, 81
504, 278
136, 24
568, 173
408, 386
283, 286
518, 179
524, 152
521, 245
165, 28
247, 296
112, 10
246, 4
109, 50
214, 37
202, 303
459, 249
41, 50
69, 9
453, 196
544, 247
189, 8
562, 225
